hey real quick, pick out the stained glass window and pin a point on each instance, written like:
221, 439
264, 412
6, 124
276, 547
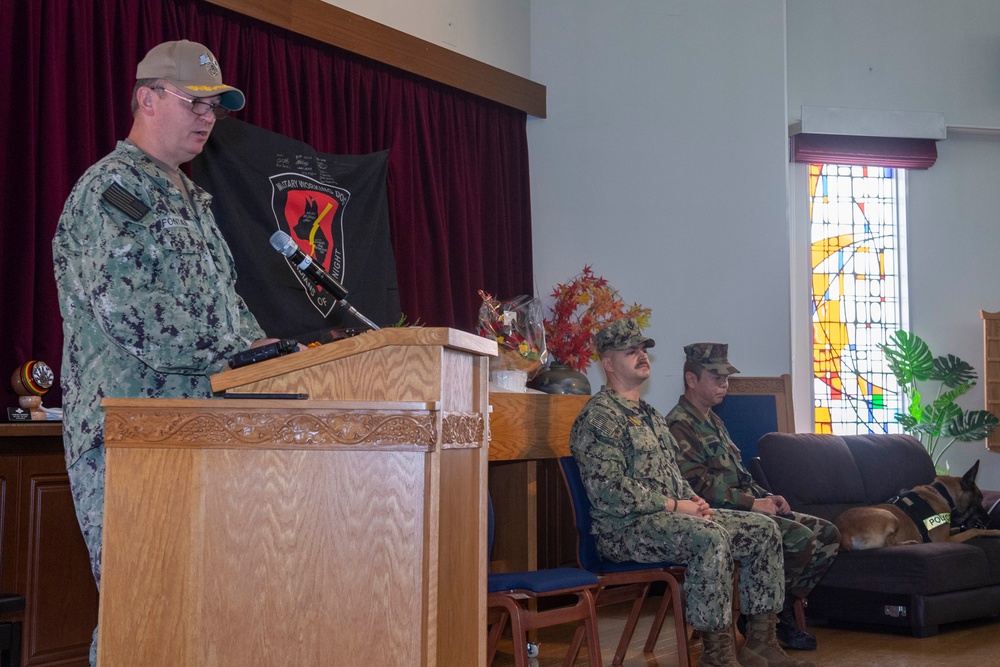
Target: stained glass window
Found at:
858, 292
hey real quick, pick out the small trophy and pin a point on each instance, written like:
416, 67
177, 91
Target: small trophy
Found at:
30, 381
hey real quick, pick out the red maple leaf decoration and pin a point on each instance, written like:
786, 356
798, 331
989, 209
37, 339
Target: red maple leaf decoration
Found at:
583, 306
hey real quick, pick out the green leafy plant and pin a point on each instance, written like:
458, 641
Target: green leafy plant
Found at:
402, 322
937, 422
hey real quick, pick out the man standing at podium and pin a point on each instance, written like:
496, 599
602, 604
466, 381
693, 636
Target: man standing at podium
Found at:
146, 281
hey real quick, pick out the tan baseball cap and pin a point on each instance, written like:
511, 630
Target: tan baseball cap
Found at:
191, 67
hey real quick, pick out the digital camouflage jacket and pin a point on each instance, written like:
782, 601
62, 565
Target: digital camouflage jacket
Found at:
146, 289
627, 459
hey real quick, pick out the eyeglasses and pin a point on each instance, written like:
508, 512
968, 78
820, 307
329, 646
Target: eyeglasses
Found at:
719, 379
199, 107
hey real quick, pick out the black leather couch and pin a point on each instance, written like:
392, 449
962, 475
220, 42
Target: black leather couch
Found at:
917, 587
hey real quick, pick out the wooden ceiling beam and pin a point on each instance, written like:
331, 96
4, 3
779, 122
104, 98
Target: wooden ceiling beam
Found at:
345, 30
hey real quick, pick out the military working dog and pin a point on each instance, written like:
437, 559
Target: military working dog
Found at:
948, 509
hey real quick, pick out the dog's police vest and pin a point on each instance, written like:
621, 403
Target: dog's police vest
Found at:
919, 510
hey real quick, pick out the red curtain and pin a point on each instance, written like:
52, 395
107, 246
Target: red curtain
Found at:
866, 151
458, 164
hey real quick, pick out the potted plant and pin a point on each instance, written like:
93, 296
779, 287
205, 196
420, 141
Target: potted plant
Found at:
583, 306
938, 422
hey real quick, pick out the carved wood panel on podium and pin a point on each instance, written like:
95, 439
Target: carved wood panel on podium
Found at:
349, 526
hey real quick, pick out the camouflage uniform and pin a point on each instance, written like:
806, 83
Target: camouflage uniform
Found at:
628, 463
711, 463
146, 289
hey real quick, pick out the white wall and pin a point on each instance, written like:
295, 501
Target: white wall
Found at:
662, 165
924, 55
663, 162
491, 31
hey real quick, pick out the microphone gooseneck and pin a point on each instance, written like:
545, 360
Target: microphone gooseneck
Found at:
284, 244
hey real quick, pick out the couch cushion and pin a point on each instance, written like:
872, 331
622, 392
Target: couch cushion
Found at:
811, 470
828, 511
991, 547
889, 463
920, 569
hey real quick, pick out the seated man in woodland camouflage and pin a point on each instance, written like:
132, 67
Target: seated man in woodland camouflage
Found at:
710, 461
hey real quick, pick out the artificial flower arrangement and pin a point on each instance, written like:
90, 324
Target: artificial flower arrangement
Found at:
583, 306
516, 326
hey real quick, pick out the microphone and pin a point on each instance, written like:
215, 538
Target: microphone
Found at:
284, 244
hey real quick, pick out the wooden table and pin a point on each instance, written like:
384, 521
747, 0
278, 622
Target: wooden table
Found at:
43, 555
528, 431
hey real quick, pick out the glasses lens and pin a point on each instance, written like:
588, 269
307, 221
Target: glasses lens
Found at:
202, 108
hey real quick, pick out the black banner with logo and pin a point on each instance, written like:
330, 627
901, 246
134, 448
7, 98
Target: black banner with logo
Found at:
333, 206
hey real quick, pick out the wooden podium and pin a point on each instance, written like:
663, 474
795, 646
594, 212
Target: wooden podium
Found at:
349, 527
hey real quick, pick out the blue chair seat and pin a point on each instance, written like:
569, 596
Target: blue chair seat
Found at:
541, 581
613, 567
509, 592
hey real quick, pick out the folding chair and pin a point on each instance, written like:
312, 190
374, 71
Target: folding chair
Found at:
509, 595
628, 580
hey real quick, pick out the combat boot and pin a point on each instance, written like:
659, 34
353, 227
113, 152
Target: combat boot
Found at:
718, 650
788, 630
762, 641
